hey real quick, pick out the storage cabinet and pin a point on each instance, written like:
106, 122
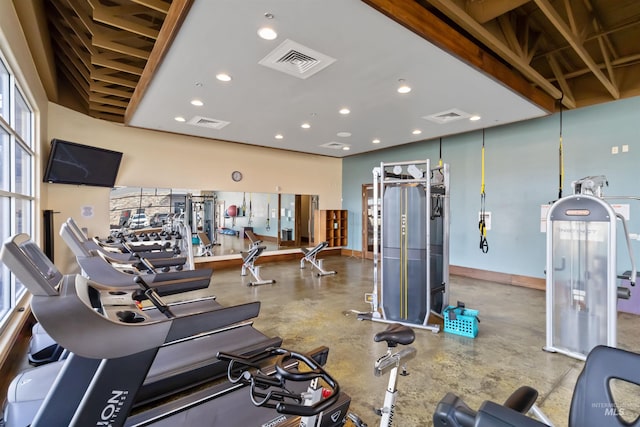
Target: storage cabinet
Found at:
331, 225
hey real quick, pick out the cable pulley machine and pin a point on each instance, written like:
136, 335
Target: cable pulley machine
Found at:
410, 243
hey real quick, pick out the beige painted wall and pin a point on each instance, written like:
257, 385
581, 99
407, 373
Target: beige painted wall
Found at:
157, 159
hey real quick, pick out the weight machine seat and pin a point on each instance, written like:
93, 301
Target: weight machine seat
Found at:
252, 238
252, 254
396, 334
602, 365
309, 253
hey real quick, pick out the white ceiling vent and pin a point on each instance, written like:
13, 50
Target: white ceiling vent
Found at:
207, 123
448, 116
334, 145
296, 60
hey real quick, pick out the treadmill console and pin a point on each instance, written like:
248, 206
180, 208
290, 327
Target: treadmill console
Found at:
30, 265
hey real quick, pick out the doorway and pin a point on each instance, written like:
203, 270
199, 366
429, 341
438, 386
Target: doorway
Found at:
368, 212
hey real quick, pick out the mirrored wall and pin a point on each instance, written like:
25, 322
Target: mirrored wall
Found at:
280, 221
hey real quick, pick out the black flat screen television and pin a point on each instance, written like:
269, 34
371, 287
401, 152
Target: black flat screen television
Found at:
72, 163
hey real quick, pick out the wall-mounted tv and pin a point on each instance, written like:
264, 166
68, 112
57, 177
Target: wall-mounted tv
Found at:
72, 163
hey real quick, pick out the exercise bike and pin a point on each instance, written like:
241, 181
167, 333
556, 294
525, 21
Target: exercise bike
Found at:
321, 405
396, 334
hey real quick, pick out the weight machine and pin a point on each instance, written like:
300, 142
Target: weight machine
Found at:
582, 293
410, 243
310, 257
250, 257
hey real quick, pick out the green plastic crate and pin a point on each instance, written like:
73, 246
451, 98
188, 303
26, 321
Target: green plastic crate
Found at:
463, 321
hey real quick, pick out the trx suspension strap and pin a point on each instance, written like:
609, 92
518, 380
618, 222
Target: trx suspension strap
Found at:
267, 227
484, 245
560, 155
440, 161
250, 211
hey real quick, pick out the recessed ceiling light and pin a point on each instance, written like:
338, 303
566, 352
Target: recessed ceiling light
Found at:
404, 87
344, 111
197, 102
279, 136
267, 33
223, 77
344, 134
474, 118
305, 126
179, 119
376, 141
346, 148
417, 132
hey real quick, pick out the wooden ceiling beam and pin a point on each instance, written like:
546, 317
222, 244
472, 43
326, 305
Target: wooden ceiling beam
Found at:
82, 12
73, 58
71, 21
562, 81
557, 21
75, 77
157, 5
108, 117
97, 87
106, 75
100, 40
106, 108
510, 34
422, 22
103, 61
99, 99
104, 15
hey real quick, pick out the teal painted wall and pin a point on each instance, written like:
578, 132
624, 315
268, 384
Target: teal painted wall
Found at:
521, 174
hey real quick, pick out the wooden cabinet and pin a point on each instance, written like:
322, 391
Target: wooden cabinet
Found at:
331, 225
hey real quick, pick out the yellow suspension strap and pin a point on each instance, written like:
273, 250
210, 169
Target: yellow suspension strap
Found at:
484, 245
440, 161
560, 155
267, 226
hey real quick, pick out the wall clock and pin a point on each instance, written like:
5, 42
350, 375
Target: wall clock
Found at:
236, 176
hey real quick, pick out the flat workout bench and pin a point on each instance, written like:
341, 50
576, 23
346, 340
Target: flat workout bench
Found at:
250, 257
310, 257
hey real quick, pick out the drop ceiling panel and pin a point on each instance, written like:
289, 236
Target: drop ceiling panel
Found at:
372, 53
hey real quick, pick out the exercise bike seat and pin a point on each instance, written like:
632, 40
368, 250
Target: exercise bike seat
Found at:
396, 334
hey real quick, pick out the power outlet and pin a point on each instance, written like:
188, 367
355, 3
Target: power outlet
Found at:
614, 149
625, 148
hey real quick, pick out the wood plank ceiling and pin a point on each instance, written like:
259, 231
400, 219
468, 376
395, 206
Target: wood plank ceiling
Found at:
580, 51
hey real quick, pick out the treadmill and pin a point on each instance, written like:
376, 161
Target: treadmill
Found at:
180, 362
98, 265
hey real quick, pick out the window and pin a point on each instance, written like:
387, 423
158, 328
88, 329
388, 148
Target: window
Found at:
16, 177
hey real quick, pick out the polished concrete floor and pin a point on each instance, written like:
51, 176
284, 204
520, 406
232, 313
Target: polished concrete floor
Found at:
308, 311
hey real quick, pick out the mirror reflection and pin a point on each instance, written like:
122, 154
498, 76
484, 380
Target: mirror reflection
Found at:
218, 220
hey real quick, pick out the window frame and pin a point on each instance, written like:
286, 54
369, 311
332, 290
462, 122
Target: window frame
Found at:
18, 214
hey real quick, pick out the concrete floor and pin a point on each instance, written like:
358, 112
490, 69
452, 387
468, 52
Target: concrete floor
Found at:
308, 311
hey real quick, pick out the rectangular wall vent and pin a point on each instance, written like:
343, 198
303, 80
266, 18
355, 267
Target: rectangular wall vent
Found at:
296, 60
207, 122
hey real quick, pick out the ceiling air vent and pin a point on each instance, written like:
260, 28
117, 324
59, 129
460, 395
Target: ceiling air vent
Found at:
296, 60
334, 145
448, 116
207, 123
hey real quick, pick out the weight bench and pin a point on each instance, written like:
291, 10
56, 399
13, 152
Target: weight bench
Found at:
206, 245
250, 257
310, 257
